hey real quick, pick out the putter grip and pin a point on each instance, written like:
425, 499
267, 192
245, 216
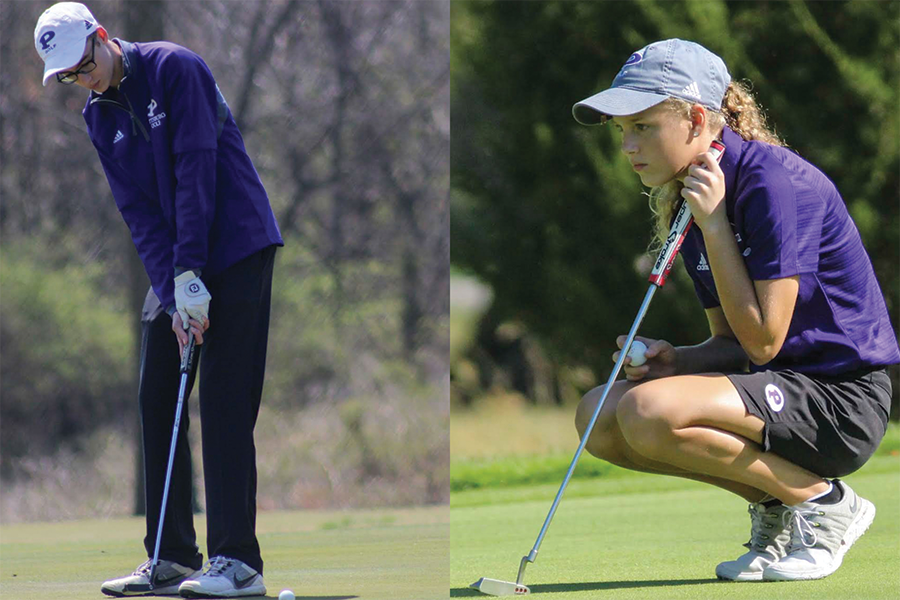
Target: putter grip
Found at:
187, 357
680, 226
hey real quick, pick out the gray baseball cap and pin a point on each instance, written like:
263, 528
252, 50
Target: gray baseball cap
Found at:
658, 71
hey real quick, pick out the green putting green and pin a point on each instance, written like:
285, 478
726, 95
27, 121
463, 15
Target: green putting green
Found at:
640, 536
336, 555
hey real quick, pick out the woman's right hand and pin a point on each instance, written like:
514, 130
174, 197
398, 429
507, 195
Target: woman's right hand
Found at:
660, 359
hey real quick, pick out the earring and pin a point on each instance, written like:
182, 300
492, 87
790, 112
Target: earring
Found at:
696, 134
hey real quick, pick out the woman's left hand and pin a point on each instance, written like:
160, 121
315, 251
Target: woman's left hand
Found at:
704, 190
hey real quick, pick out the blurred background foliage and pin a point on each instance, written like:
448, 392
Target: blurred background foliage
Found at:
549, 225
344, 109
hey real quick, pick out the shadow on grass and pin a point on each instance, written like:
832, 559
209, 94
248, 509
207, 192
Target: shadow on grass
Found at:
592, 586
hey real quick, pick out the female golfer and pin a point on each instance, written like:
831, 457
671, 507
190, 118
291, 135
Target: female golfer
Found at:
781, 271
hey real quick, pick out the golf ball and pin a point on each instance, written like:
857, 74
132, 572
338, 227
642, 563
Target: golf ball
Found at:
286, 595
637, 353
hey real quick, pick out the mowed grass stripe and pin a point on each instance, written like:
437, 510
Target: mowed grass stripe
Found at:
331, 555
647, 537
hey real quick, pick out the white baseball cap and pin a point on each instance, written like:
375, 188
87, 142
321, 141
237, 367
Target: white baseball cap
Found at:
60, 34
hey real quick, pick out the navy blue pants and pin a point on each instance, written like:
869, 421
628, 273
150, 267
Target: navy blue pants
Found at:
232, 364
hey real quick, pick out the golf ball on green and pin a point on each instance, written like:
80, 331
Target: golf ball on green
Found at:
286, 595
637, 353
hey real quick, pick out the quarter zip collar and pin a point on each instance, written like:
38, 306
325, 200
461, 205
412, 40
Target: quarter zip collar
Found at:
128, 62
127, 51
114, 96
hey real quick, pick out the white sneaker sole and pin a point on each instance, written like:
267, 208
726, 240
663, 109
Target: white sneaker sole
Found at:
725, 574
733, 571
739, 576
856, 530
136, 590
254, 590
139, 590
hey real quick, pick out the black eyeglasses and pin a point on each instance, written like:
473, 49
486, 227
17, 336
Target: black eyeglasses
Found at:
71, 77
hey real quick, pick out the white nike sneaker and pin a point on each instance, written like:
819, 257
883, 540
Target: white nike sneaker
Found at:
168, 577
224, 578
769, 538
820, 536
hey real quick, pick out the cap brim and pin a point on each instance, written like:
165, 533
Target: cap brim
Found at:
614, 102
64, 59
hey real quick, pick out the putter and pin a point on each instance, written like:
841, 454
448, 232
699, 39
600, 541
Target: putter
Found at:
680, 226
187, 359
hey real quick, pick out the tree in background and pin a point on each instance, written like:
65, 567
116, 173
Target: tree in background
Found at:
549, 214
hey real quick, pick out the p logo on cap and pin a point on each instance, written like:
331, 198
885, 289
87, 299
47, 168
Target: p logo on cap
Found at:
634, 59
45, 41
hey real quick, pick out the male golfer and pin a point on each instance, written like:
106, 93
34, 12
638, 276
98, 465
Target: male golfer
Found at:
201, 221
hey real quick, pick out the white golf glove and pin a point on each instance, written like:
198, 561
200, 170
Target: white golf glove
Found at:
191, 298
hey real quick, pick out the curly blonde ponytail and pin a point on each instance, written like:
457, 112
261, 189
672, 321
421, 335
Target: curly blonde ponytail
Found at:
742, 115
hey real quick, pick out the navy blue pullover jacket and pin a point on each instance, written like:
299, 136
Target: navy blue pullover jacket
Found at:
177, 166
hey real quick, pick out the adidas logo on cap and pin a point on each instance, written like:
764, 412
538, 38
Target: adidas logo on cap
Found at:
693, 90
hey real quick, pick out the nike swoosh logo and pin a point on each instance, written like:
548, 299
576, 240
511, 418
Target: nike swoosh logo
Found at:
242, 583
145, 587
160, 580
855, 504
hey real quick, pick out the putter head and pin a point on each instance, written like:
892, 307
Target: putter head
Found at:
495, 587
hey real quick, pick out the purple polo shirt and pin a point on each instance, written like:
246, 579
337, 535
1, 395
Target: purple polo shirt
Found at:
789, 219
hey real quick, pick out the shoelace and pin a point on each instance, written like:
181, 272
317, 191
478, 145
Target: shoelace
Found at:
801, 529
759, 541
215, 567
144, 568
755, 527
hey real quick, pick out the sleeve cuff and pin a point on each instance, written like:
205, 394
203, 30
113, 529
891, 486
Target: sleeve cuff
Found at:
183, 270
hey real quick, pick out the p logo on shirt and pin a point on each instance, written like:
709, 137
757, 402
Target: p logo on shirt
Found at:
774, 397
155, 120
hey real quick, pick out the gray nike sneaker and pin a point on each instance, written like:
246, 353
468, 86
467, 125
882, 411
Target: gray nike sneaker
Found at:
820, 536
169, 576
769, 538
224, 578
